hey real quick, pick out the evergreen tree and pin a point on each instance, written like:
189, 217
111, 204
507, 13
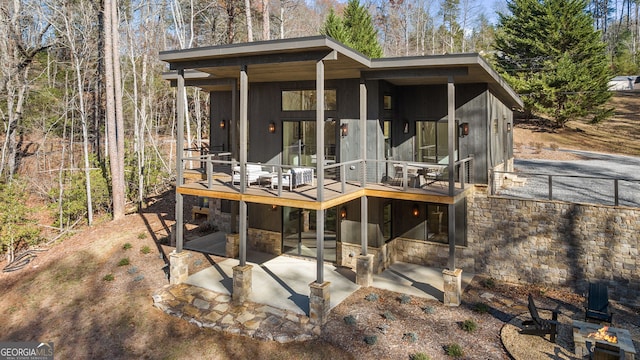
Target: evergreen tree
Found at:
550, 53
334, 27
354, 30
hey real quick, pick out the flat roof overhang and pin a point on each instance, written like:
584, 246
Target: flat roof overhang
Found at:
217, 68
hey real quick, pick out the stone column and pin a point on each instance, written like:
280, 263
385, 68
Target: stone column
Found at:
364, 270
178, 267
452, 287
241, 283
232, 246
319, 302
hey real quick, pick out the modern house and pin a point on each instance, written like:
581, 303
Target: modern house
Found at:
318, 151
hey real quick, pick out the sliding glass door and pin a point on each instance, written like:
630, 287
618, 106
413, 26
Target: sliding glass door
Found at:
299, 236
432, 142
299, 142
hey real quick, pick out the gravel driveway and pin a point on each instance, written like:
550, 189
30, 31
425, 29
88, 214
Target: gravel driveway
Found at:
590, 180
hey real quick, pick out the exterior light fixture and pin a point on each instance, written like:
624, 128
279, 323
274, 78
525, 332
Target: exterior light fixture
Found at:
464, 129
343, 213
415, 211
508, 127
223, 124
272, 127
344, 130
405, 127
274, 207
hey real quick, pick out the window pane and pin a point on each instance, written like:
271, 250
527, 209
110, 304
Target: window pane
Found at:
305, 100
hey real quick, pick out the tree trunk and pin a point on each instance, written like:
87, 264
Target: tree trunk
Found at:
266, 23
247, 12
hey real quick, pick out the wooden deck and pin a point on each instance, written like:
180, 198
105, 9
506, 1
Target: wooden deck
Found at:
306, 196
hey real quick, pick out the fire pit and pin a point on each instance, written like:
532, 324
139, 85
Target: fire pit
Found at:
614, 337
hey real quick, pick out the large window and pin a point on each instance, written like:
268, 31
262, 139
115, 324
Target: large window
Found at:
432, 142
304, 100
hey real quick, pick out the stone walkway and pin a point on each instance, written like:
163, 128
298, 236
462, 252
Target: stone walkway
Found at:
213, 310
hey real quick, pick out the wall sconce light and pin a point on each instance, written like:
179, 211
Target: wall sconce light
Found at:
415, 211
508, 127
405, 127
344, 130
223, 124
274, 207
272, 127
343, 213
464, 129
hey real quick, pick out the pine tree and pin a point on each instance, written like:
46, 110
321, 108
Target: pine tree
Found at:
334, 27
354, 30
550, 53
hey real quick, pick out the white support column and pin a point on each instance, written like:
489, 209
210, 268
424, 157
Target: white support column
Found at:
320, 169
244, 108
180, 108
453, 133
364, 208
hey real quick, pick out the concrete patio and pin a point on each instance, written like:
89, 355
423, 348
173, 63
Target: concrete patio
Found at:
283, 281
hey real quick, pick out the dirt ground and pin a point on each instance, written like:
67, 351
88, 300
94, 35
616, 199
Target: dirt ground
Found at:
64, 295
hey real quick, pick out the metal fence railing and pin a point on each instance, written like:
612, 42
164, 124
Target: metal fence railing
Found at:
568, 188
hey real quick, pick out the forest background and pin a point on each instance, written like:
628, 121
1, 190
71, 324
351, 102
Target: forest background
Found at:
81, 84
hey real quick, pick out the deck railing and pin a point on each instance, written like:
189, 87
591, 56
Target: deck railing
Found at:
413, 174
568, 188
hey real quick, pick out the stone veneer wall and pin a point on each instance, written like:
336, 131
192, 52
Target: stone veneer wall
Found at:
218, 218
552, 242
347, 254
429, 253
269, 242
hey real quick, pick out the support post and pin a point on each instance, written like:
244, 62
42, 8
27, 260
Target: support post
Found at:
241, 283
178, 267
451, 210
363, 131
244, 108
181, 106
452, 131
319, 302
364, 225
243, 233
452, 287
320, 129
364, 270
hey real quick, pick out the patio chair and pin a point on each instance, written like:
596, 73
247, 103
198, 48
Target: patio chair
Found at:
539, 326
597, 309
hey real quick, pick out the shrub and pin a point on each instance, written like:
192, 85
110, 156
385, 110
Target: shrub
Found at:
164, 240
388, 315
142, 235
429, 309
410, 337
349, 320
554, 146
371, 339
481, 308
419, 356
108, 277
138, 278
373, 297
489, 283
469, 325
383, 328
404, 299
455, 350
127, 246
123, 262
145, 249
132, 270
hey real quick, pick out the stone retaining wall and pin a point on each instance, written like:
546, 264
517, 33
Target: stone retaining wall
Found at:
347, 255
552, 242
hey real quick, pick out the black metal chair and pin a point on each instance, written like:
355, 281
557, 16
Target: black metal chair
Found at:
539, 326
597, 309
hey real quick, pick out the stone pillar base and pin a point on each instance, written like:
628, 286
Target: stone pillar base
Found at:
364, 270
178, 267
319, 302
232, 247
452, 287
241, 284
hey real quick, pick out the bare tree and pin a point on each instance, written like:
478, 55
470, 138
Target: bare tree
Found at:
247, 13
22, 36
266, 23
